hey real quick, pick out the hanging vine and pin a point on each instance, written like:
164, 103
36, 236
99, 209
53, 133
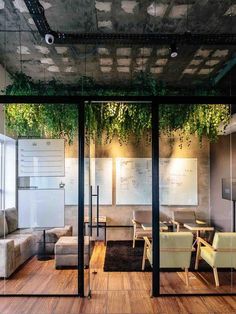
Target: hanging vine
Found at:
108, 120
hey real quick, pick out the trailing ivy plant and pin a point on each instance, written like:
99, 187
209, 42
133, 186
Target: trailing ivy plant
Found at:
108, 120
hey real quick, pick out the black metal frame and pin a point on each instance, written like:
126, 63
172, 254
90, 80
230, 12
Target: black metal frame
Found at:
155, 101
36, 11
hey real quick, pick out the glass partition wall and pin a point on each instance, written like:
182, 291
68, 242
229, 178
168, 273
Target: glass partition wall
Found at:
196, 189
39, 199
130, 148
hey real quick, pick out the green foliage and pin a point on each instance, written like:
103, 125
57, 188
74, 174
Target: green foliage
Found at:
109, 120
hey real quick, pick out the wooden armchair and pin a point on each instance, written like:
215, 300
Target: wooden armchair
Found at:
175, 251
180, 217
221, 254
141, 217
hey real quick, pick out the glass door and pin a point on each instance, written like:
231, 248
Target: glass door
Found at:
118, 195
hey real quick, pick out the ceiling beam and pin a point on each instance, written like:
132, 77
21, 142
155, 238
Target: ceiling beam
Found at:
37, 13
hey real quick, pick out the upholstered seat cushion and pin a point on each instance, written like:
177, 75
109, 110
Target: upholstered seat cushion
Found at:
24, 246
175, 249
223, 254
12, 219
61, 232
68, 246
184, 216
142, 216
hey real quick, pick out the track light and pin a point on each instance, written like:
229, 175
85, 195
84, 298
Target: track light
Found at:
173, 51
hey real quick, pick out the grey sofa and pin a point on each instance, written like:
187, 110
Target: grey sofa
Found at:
18, 245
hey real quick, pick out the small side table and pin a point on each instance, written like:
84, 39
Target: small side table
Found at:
43, 256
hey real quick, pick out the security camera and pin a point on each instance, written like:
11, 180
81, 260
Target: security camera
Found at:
49, 38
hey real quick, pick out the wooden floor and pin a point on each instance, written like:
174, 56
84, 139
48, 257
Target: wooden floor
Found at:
112, 292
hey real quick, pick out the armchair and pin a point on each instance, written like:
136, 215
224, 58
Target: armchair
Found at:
221, 254
141, 217
175, 251
180, 217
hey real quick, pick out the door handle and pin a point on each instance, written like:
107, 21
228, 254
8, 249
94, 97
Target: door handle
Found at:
91, 212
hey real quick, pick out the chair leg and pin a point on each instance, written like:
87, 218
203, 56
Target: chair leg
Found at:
216, 276
198, 255
134, 236
144, 255
133, 241
186, 277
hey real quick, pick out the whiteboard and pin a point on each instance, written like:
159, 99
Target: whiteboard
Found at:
41, 208
41, 157
100, 174
133, 181
178, 181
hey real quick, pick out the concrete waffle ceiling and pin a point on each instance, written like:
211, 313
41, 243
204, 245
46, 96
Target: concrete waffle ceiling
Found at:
23, 49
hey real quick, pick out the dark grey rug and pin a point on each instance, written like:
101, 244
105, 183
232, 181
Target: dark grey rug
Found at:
120, 256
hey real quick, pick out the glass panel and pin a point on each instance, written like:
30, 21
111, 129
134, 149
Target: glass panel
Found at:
197, 254
40, 199
121, 171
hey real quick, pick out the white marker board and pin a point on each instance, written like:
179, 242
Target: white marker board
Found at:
178, 181
133, 181
100, 174
41, 208
41, 157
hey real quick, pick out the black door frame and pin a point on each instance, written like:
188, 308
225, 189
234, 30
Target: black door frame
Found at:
155, 102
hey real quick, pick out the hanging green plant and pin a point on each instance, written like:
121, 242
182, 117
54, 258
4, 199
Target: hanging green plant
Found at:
108, 120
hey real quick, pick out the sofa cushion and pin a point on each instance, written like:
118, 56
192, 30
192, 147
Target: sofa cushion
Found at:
24, 246
61, 232
3, 224
12, 219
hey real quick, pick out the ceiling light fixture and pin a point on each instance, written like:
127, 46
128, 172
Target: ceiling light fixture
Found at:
173, 51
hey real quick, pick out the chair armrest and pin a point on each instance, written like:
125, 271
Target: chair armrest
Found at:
200, 222
175, 222
201, 241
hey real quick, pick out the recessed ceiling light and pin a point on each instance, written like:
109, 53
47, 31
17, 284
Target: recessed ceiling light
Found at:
173, 51
157, 10
106, 61
103, 6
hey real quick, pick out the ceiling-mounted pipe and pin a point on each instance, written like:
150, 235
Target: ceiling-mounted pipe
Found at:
36, 11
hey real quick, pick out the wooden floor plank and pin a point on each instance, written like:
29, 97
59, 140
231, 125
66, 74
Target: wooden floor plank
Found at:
112, 292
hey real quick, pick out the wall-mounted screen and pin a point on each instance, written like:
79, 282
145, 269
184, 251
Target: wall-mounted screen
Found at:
229, 189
